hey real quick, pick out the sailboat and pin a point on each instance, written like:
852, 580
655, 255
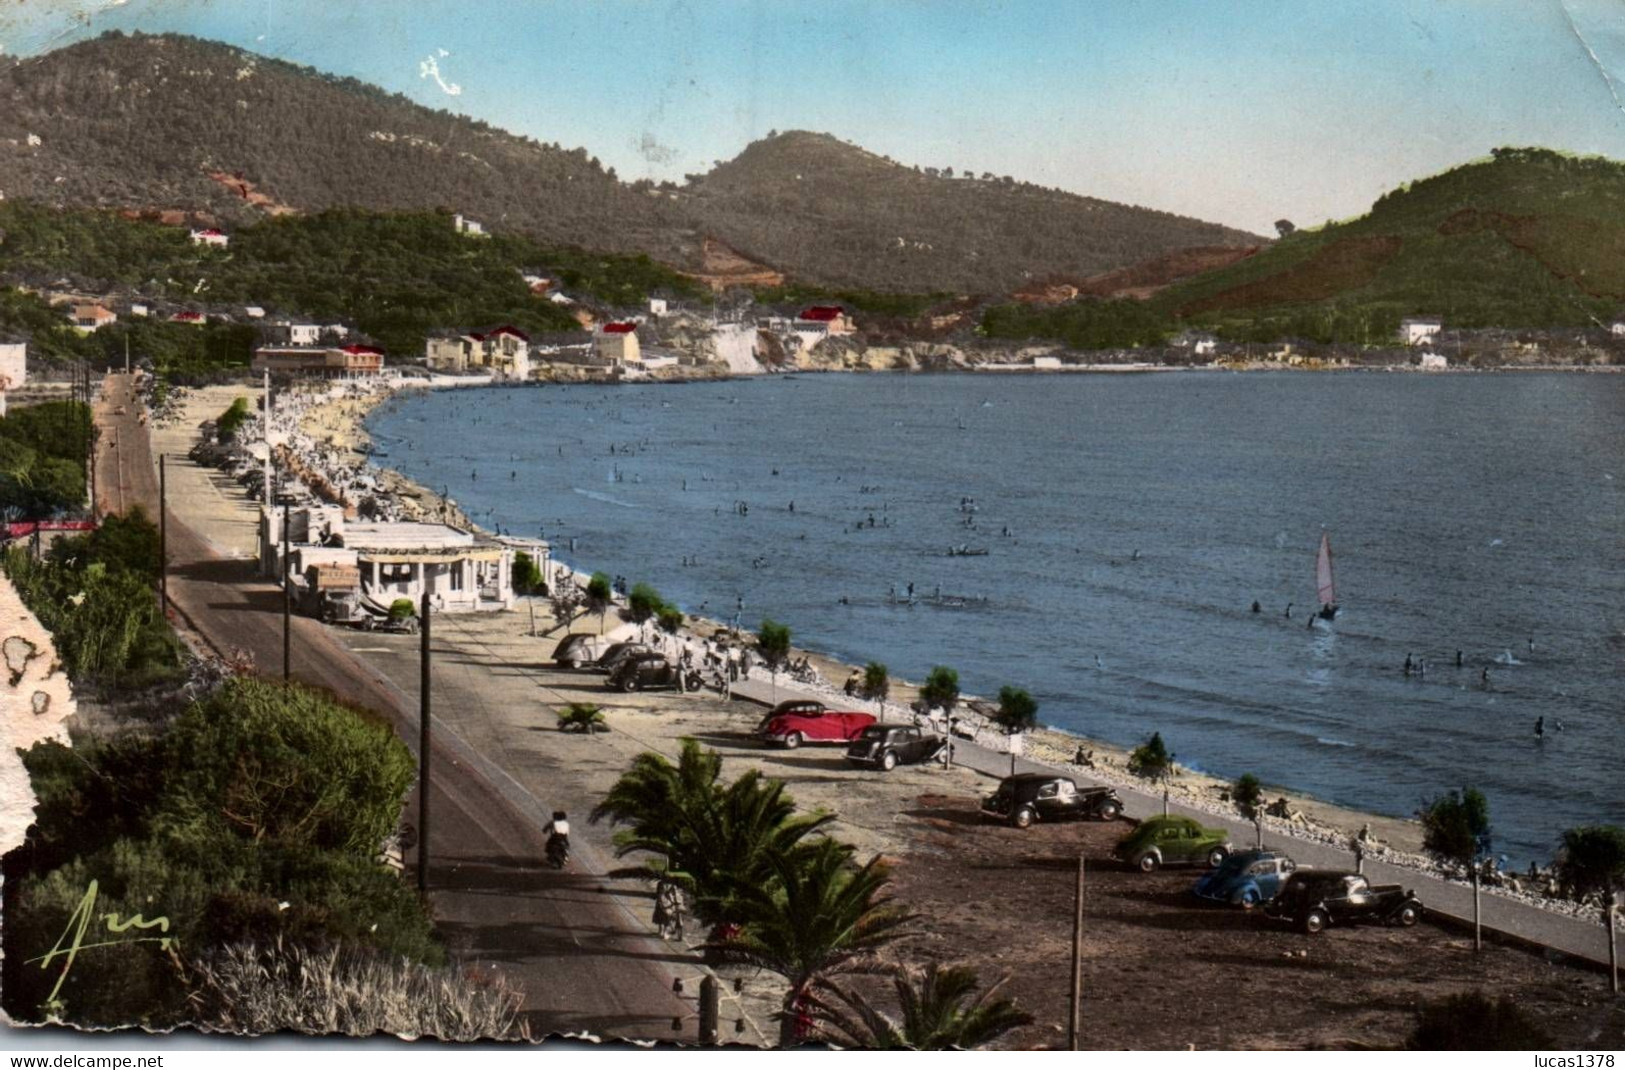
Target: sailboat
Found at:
1325, 587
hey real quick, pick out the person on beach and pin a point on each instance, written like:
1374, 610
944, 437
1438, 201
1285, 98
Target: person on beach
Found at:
1540, 728
1407, 664
1289, 611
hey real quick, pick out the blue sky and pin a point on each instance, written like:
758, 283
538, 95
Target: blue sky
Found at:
1239, 112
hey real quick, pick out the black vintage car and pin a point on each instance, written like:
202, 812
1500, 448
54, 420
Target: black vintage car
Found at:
886, 746
612, 658
1028, 797
1314, 899
649, 672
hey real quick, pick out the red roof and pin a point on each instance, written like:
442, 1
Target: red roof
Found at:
357, 350
620, 328
187, 317
211, 233
507, 329
822, 313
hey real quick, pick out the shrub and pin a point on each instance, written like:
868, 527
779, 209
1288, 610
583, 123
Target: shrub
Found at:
876, 683
1018, 711
1151, 760
272, 762
643, 602
527, 575
258, 989
1456, 827
941, 688
1247, 793
671, 619
1592, 860
402, 608
773, 643
581, 717
1474, 1022
232, 420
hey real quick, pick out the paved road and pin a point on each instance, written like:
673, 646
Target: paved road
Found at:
1580, 939
565, 939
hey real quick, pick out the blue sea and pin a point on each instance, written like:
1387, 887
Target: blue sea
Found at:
1130, 522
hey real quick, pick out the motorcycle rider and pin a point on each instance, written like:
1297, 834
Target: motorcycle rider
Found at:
558, 839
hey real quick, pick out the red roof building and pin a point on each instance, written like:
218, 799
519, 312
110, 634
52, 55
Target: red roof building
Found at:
831, 317
620, 328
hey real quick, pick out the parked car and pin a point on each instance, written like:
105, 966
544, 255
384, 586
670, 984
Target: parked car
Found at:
611, 659
1312, 900
580, 649
801, 706
650, 672
1247, 878
1028, 797
792, 728
886, 746
1173, 841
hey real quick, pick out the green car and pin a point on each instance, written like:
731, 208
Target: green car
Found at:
1173, 841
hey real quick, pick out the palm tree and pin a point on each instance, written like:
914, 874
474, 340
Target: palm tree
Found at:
935, 1015
731, 843
582, 717
820, 918
653, 798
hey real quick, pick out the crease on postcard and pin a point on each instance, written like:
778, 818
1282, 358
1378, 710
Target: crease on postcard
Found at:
35, 701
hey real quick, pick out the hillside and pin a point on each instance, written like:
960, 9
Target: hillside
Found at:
1527, 238
171, 123
841, 213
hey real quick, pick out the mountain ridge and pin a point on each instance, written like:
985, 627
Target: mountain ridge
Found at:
140, 122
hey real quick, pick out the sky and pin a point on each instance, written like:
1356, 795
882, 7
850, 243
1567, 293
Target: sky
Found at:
1237, 111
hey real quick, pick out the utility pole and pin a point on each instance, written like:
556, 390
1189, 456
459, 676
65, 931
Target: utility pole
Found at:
1075, 1026
1478, 930
710, 1001
163, 537
423, 746
1610, 908
287, 601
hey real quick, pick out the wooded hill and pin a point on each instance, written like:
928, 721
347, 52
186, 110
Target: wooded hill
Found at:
1528, 238
144, 122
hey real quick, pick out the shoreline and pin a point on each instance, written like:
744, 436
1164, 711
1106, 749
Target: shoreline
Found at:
339, 423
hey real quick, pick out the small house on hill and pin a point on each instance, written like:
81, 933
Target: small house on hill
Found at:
616, 344
831, 319
1419, 330
210, 236
464, 225
1617, 328
196, 319
90, 317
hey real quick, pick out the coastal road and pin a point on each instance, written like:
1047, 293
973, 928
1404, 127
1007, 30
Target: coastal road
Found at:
1578, 938
566, 939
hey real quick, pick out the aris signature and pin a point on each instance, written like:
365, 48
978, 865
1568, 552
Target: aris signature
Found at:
72, 940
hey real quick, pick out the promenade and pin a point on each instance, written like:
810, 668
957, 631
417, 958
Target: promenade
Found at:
1574, 937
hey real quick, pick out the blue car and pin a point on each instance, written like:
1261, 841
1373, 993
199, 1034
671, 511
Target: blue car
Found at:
1247, 878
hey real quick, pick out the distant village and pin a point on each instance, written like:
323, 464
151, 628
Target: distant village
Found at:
664, 339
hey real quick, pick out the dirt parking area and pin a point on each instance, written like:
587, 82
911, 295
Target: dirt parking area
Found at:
1163, 969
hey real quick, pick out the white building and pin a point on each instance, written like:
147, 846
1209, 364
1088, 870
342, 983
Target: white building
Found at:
210, 236
1617, 328
1419, 330
13, 369
465, 225
504, 350
657, 306
462, 572
286, 333
90, 316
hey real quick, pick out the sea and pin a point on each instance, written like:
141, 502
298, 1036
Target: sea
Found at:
1129, 523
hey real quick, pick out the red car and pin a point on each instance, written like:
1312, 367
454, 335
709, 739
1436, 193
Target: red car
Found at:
793, 723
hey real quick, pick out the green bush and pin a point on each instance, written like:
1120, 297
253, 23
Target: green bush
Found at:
876, 682
42, 458
1151, 760
941, 688
671, 619
773, 643
643, 602
1474, 1022
1018, 711
1247, 793
527, 577
1456, 827
402, 608
282, 764
232, 420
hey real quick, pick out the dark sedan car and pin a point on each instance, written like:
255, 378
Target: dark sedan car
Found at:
612, 658
649, 672
1314, 900
886, 746
1028, 797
